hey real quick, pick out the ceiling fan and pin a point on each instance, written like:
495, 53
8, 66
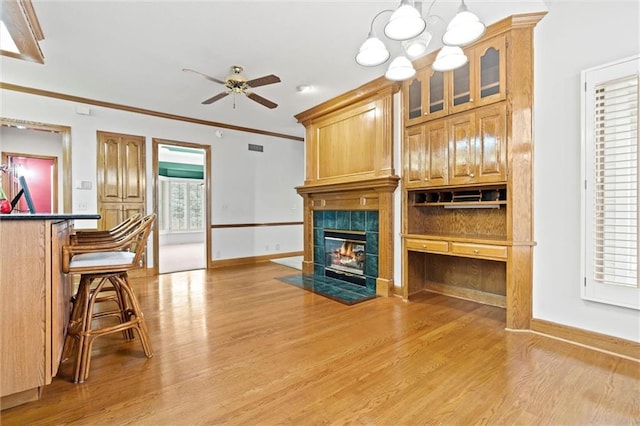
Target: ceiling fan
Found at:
237, 83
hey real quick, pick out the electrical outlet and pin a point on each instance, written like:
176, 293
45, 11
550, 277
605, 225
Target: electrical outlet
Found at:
277, 246
82, 206
266, 248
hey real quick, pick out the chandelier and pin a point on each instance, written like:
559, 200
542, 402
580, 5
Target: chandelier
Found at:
407, 25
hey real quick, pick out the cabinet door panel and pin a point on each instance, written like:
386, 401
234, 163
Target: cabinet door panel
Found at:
462, 164
490, 71
413, 95
436, 93
61, 292
461, 87
436, 172
491, 152
414, 156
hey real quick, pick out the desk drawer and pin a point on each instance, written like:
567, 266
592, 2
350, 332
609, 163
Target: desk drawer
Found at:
427, 245
479, 250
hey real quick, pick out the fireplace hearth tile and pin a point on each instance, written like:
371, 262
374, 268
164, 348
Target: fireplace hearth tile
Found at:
340, 291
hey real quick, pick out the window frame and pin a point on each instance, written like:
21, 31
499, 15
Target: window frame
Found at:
187, 182
628, 297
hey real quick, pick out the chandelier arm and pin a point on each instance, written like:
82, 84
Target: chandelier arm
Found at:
376, 17
430, 7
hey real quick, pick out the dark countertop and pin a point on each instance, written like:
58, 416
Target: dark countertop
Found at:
48, 216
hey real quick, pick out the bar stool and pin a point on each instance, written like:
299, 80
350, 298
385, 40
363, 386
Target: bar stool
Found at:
86, 236
93, 237
100, 266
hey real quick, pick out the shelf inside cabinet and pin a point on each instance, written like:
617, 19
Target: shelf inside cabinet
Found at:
483, 197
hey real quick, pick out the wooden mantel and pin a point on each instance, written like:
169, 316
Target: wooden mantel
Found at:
349, 165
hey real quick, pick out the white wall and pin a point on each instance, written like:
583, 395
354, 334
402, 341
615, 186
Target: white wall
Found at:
247, 187
572, 37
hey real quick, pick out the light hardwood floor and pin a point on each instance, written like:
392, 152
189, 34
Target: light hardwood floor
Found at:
236, 346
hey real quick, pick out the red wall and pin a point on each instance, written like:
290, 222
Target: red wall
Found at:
38, 176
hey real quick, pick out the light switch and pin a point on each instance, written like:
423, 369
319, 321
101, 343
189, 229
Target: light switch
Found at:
83, 184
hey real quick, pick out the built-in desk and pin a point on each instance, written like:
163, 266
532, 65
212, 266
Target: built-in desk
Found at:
34, 302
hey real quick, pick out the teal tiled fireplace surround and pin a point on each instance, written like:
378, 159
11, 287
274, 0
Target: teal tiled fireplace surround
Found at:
347, 220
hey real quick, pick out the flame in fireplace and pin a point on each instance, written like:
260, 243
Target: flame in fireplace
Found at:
347, 249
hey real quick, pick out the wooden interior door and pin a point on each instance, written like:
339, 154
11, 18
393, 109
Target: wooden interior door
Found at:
121, 177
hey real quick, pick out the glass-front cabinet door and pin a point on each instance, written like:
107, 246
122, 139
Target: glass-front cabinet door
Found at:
413, 99
482, 80
490, 71
462, 85
425, 96
436, 93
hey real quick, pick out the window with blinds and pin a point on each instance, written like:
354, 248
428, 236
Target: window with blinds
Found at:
610, 231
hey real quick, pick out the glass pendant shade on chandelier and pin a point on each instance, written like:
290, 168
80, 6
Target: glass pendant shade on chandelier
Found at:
407, 26
464, 28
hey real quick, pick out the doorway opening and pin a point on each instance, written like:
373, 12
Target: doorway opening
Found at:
182, 204
41, 172
19, 138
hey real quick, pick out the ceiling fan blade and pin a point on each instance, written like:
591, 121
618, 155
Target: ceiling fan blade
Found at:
215, 98
259, 99
215, 80
263, 81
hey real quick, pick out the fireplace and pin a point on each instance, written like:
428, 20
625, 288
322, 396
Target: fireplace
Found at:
345, 255
345, 246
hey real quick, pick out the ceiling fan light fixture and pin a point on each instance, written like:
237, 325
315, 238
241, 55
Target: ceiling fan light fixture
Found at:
464, 28
400, 69
449, 58
417, 46
405, 23
372, 52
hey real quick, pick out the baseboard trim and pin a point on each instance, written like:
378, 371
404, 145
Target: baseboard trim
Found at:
251, 260
588, 339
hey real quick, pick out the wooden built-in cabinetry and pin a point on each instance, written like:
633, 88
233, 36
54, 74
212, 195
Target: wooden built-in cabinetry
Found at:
467, 178
481, 81
35, 297
349, 166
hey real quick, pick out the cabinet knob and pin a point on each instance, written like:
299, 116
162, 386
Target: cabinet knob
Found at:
472, 175
424, 246
475, 251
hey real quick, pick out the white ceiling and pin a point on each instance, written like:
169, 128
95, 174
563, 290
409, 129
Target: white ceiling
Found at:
133, 52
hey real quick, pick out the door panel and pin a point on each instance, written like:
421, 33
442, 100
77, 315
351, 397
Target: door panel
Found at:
132, 165
415, 152
491, 145
437, 157
109, 185
462, 150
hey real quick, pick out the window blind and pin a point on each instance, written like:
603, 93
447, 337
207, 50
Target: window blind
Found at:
609, 216
615, 227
